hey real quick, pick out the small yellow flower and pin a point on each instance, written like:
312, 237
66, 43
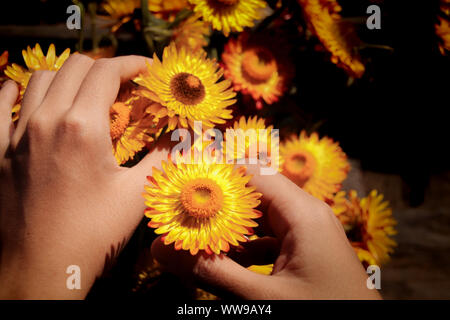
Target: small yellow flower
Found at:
34, 60
167, 9
3, 60
262, 269
204, 295
191, 34
147, 277
443, 32
337, 36
258, 66
368, 223
445, 7
203, 206
131, 128
252, 139
3, 63
118, 9
318, 166
186, 86
230, 15
122, 10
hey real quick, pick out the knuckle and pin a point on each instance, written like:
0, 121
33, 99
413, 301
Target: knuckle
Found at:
324, 209
135, 57
73, 125
103, 64
81, 58
41, 74
322, 212
36, 125
325, 212
202, 268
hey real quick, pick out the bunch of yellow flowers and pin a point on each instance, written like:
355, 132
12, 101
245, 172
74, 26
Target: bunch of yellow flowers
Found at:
209, 206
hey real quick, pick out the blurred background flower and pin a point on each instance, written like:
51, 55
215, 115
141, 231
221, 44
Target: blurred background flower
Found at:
336, 35
318, 166
34, 60
229, 15
368, 223
258, 65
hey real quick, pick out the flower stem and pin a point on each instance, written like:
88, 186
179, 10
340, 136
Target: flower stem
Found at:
146, 19
376, 46
81, 31
92, 8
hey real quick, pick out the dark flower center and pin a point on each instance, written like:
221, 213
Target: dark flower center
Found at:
227, 2
258, 65
187, 88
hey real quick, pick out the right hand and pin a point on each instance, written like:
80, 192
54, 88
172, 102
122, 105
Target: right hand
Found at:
313, 258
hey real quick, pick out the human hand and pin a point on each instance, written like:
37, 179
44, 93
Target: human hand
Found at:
63, 198
313, 258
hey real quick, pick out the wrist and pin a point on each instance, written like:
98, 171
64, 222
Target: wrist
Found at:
28, 277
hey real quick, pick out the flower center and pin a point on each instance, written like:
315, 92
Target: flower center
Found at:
227, 2
202, 198
120, 118
300, 167
355, 232
187, 88
258, 65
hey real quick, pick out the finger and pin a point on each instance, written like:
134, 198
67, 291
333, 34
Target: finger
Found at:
65, 86
134, 179
101, 86
8, 97
288, 207
34, 95
160, 152
218, 273
131, 184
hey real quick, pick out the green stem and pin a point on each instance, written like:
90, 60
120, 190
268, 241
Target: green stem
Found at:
376, 46
267, 21
146, 19
81, 31
112, 38
181, 16
354, 20
163, 131
92, 8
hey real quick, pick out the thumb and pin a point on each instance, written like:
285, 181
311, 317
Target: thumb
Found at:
135, 178
160, 151
130, 185
217, 273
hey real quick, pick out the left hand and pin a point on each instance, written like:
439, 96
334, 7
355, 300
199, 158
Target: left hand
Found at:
63, 198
